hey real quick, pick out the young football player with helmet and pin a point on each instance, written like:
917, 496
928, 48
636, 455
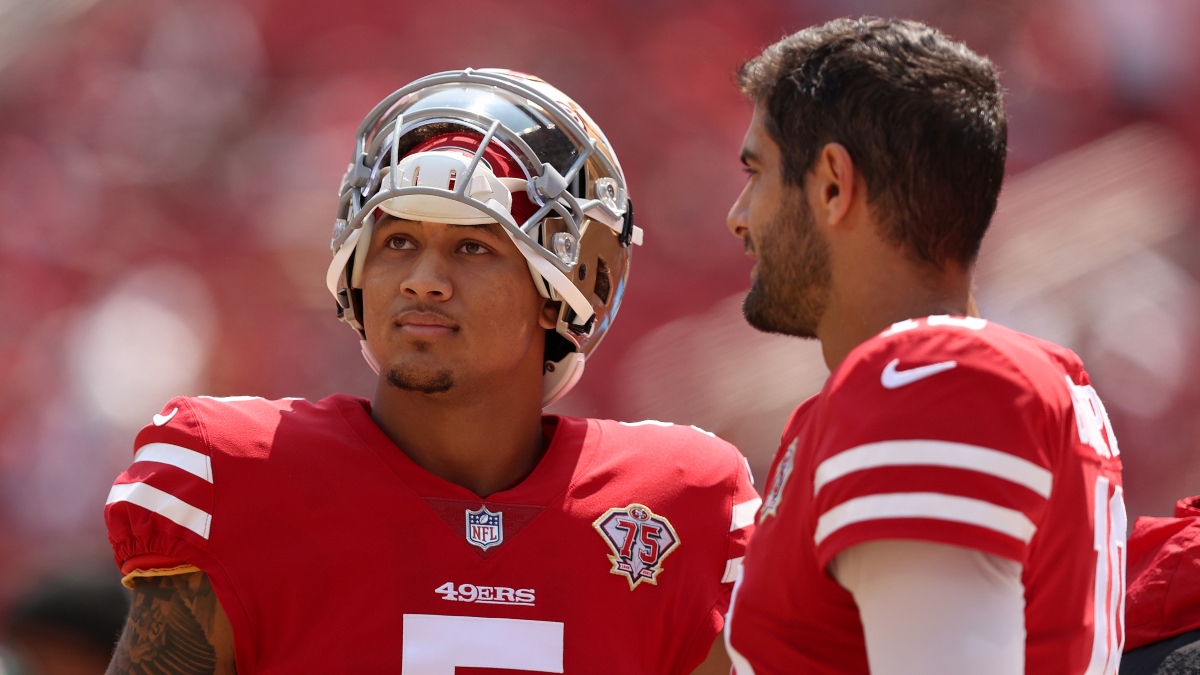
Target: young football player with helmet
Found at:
951, 501
481, 251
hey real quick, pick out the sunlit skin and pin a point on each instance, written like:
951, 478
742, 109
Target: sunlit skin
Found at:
873, 283
453, 316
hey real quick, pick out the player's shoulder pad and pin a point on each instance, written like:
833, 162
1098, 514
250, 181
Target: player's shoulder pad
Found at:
688, 444
654, 430
210, 424
918, 349
1066, 359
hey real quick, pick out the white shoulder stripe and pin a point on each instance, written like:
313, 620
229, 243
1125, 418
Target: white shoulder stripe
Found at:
195, 463
732, 567
743, 514
931, 505
166, 505
935, 453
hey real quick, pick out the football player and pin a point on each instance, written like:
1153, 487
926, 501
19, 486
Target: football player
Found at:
950, 502
481, 250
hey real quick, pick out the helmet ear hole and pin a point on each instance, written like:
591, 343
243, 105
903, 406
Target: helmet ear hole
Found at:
557, 347
603, 287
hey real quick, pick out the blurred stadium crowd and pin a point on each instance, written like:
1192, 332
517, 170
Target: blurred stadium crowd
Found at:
168, 176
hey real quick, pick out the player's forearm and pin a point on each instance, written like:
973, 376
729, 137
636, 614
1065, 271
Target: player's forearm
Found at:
175, 627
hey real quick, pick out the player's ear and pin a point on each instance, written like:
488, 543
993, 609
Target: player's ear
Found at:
833, 183
548, 318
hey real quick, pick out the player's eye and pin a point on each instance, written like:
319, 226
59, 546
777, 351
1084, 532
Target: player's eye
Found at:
473, 248
399, 243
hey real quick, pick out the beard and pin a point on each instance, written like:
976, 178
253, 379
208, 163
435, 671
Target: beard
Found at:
791, 288
421, 381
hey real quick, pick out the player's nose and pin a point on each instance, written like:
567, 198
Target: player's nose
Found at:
737, 220
427, 278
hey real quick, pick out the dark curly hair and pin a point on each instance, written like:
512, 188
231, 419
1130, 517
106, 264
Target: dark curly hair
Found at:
921, 115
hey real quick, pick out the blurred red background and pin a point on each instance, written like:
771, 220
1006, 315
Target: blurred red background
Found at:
168, 176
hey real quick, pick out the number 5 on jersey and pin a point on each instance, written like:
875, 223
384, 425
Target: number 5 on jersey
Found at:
435, 645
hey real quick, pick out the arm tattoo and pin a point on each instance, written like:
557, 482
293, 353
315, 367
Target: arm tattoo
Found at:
170, 628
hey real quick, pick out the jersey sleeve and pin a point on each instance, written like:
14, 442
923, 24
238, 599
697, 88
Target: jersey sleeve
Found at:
931, 435
744, 506
159, 511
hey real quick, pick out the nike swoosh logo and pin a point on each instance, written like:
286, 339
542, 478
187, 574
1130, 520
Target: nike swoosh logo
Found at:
160, 420
894, 379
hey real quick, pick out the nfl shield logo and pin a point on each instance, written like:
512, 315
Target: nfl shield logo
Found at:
484, 528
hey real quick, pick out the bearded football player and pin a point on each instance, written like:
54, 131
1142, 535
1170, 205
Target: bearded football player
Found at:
481, 250
951, 501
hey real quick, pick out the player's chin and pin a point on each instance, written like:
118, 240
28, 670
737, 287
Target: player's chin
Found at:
770, 314
755, 312
421, 378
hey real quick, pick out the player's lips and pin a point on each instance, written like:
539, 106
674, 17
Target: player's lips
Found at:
426, 324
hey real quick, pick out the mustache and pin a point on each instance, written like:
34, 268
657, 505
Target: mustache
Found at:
748, 243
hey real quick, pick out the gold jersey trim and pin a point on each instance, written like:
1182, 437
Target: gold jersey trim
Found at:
127, 580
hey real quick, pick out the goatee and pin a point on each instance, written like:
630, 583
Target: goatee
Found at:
410, 379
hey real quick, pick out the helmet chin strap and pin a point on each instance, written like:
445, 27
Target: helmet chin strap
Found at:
370, 357
560, 377
338, 266
558, 281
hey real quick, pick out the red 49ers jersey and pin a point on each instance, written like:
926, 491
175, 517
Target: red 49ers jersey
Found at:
332, 552
950, 430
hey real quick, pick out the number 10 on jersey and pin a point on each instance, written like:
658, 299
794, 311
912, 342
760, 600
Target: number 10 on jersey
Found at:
1108, 528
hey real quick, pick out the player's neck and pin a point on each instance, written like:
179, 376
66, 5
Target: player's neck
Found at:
870, 295
486, 442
